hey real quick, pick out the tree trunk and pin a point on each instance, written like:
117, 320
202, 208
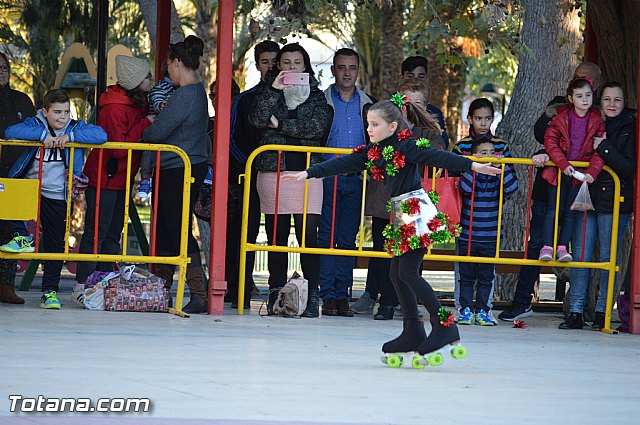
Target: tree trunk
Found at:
149, 9
540, 77
454, 101
617, 30
438, 77
391, 53
207, 29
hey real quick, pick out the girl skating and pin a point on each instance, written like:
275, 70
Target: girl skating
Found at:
394, 157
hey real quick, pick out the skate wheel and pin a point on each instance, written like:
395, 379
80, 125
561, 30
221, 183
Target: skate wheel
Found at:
435, 359
458, 352
417, 362
394, 361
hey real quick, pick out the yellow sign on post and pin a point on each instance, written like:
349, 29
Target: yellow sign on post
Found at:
18, 199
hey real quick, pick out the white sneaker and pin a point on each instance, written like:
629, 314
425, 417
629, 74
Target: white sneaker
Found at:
493, 319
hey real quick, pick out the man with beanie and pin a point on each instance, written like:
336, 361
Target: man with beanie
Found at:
123, 115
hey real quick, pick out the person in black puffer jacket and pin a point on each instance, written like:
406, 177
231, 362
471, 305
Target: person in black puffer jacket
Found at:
618, 149
292, 115
15, 107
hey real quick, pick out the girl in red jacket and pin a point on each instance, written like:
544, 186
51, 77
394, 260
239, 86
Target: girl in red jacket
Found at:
123, 115
569, 138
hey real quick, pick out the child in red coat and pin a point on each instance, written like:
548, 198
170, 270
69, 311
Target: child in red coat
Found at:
568, 138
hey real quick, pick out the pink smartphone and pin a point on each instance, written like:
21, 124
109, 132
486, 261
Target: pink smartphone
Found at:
296, 79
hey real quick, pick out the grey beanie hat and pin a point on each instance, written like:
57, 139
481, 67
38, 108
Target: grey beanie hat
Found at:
131, 71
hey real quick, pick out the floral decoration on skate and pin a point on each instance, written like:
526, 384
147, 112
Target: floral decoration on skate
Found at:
445, 317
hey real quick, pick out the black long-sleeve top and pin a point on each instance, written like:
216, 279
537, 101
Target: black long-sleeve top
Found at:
408, 177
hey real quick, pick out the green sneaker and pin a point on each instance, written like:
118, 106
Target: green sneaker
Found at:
49, 300
19, 244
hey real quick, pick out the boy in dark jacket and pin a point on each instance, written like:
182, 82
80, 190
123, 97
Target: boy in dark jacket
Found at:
54, 128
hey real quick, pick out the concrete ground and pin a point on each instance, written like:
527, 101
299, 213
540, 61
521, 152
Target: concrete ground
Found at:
249, 369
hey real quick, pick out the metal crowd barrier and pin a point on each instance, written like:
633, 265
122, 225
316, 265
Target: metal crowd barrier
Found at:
20, 200
361, 252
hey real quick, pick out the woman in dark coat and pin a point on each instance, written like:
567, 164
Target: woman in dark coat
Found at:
292, 115
618, 149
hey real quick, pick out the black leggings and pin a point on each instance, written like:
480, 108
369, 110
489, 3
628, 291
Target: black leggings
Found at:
278, 261
406, 278
170, 212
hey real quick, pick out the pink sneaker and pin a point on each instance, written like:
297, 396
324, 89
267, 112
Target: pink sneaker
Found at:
562, 255
546, 253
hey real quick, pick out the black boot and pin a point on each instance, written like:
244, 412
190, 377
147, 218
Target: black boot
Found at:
198, 302
598, 320
384, 313
312, 304
440, 335
412, 336
574, 321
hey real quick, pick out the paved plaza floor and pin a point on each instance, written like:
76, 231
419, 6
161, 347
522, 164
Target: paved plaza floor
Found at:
235, 370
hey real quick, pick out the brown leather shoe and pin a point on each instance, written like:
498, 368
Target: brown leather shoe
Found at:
8, 295
329, 307
343, 308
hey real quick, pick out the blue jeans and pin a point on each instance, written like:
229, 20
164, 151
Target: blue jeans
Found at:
566, 217
336, 272
480, 275
529, 275
597, 226
456, 282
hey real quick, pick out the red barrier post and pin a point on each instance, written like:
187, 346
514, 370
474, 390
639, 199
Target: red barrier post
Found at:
222, 132
529, 196
97, 216
163, 35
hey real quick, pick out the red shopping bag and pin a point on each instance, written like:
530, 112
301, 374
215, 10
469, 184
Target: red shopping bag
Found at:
450, 196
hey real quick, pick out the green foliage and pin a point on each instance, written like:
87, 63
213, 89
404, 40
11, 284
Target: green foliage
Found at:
498, 66
36, 32
127, 27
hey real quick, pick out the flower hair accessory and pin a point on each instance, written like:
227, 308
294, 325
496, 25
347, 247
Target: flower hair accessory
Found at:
398, 99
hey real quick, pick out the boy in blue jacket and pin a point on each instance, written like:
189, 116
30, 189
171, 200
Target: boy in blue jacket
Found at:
481, 234
53, 126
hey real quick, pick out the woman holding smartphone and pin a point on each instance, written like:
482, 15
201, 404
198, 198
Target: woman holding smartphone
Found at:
292, 114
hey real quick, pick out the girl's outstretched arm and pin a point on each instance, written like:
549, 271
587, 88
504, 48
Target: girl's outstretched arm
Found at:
485, 168
301, 176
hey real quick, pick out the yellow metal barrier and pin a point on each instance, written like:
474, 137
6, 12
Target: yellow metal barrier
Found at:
22, 184
360, 252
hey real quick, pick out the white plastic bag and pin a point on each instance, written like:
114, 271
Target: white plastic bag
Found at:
583, 199
93, 298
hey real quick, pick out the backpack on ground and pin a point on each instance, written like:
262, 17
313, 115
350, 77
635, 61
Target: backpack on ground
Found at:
292, 297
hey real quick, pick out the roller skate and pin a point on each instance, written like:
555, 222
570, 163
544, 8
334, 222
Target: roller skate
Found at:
404, 346
444, 333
